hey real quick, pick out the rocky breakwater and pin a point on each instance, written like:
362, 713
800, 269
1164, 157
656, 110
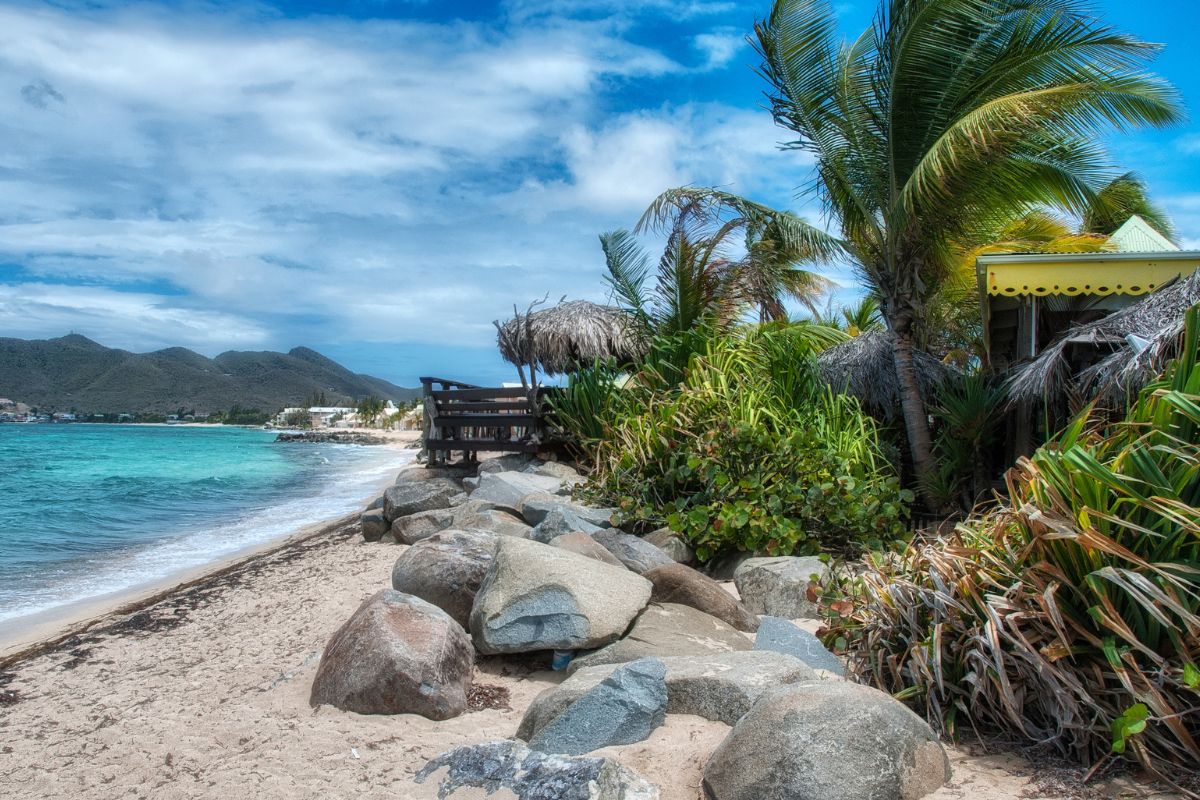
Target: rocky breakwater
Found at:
330, 437
504, 565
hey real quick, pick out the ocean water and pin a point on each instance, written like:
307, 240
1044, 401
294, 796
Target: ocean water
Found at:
89, 510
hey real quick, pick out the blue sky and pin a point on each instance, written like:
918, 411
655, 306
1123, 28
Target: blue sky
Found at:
381, 180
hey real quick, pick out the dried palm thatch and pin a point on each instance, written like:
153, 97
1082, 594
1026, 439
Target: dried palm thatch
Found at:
1155, 322
571, 334
864, 367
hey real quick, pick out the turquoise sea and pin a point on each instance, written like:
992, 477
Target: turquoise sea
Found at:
88, 510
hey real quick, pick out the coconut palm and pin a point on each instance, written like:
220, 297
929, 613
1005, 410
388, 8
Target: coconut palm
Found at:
942, 119
1119, 200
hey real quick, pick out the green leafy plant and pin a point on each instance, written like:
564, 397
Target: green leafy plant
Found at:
1054, 616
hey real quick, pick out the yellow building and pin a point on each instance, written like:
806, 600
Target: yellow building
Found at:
1030, 299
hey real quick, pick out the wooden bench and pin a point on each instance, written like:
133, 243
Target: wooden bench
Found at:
469, 419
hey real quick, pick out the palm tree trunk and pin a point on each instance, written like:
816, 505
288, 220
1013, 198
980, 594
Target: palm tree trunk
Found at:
912, 404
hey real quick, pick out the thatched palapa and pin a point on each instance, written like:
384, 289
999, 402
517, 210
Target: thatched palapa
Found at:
570, 335
1155, 324
865, 367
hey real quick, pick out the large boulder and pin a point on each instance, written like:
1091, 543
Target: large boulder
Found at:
374, 526
492, 520
530, 775
675, 583
555, 469
636, 554
538, 597
783, 636
667, 630
778, 586
396, 655
561, 520
721, 687
446, 569
411, 497
412, 528
672, 544
535, 507
512, 462
510, 488
827, 740
585, 545
624, 707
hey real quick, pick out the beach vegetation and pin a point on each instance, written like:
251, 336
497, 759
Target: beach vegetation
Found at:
942, 120
1069, 614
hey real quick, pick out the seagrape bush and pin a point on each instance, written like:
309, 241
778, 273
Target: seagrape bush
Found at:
1069, 614
745, 451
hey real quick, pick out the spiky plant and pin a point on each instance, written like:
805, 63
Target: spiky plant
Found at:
1070, 614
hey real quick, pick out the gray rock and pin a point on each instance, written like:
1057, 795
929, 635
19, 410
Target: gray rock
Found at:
494, 521
636, 554
778, 586
675, 583
672, 544
782, 636
667, 630
396, 655
530, 775
721, 687
374, 526
377, 503
827, 740
412, 528
412, 497
513, 462
470, 484
555, 469
585, 545
561, 520
446, 569
510, 488
538, 597
625, 707
535, 507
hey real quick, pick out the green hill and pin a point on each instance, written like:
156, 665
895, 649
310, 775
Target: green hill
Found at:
73, 372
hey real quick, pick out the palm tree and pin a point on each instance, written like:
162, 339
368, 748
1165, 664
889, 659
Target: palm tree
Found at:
1119, 200
941, 119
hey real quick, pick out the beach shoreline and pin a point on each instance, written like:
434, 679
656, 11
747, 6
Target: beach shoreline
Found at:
30, 632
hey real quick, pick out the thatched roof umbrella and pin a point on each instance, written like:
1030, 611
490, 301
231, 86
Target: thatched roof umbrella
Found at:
570, 335
864, 367
1155, 324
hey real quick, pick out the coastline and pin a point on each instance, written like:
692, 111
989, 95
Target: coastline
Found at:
40, 631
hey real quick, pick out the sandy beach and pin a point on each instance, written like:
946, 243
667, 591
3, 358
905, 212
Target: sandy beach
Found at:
203, 692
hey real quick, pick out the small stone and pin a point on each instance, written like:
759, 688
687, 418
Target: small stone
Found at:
623, 708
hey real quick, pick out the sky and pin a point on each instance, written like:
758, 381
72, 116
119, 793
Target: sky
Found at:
381, 180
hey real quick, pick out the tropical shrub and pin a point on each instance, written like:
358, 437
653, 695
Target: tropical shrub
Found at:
747, 452
1068, 615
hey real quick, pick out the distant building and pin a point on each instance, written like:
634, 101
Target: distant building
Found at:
321, 416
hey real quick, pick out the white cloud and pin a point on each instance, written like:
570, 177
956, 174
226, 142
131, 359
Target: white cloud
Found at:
719, 47
223, 180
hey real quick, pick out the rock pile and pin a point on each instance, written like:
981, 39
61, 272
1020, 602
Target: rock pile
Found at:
507, 563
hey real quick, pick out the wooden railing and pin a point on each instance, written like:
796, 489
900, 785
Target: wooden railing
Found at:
461, 417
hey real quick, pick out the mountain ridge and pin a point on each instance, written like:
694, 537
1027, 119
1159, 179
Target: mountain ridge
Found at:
75, 372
